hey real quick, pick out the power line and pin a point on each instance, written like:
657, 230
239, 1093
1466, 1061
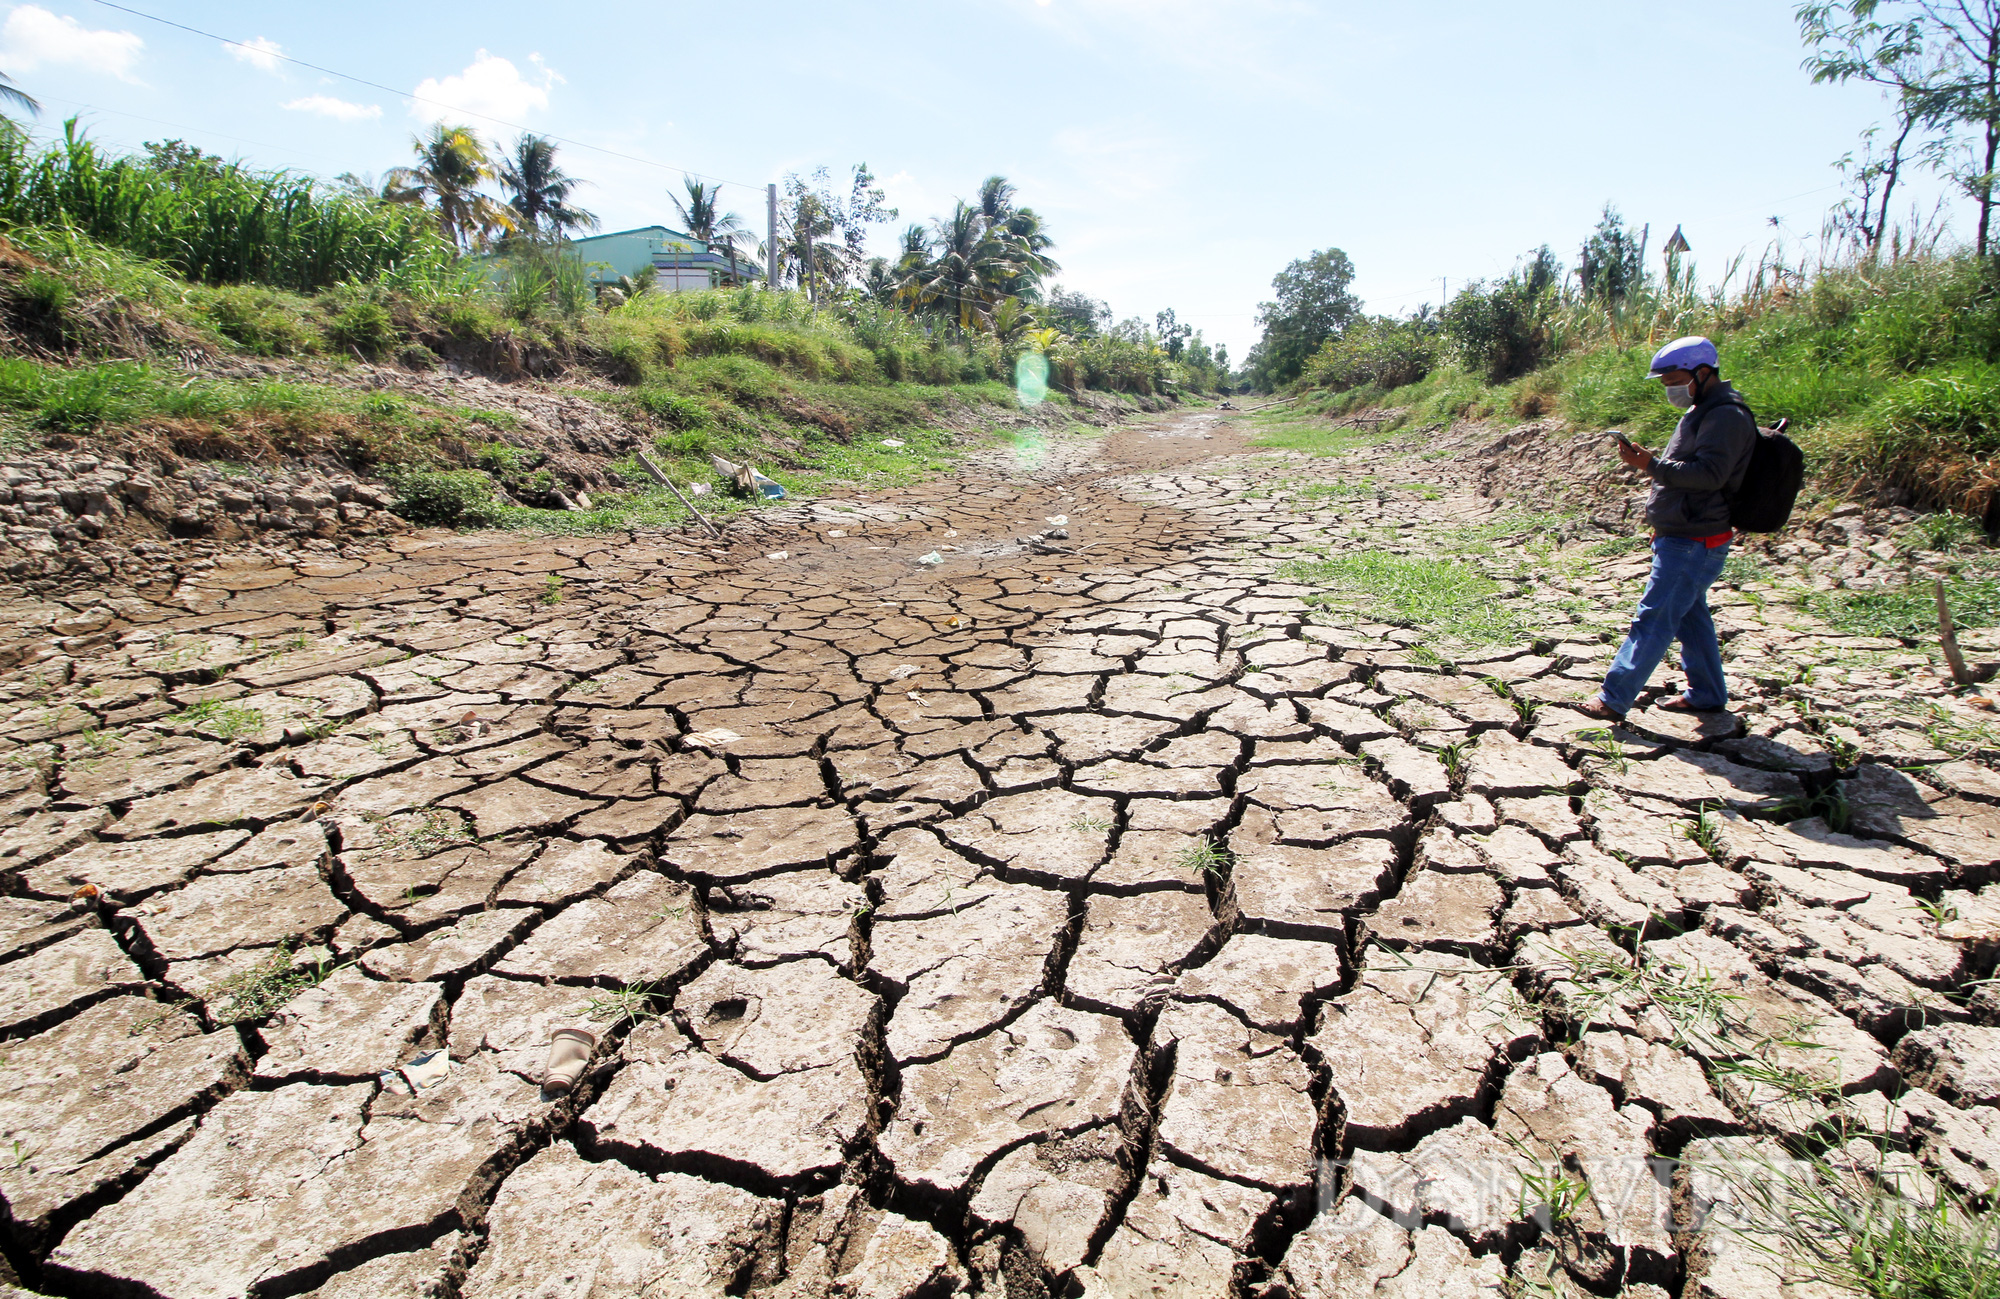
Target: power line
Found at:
391, 90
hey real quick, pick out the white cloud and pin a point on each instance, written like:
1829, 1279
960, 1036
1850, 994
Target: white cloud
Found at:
261, 53
338, 109
33, 37
490, 87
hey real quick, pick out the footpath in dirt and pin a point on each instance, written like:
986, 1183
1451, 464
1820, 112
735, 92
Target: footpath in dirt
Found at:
1019, 884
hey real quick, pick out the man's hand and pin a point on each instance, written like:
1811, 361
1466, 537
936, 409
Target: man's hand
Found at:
1634, 455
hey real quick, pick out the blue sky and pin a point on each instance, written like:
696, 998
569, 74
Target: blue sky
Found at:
1181, 152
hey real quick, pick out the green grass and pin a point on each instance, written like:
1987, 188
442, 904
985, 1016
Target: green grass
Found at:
1440, 595
1911, 611
1889, 371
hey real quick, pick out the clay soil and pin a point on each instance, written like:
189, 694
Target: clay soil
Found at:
960, 907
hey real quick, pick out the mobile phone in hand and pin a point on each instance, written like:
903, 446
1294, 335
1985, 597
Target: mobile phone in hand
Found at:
1619, 435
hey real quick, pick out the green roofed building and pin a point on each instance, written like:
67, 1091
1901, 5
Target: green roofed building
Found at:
679, 261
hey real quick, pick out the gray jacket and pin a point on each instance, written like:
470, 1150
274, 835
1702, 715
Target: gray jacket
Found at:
1705, 458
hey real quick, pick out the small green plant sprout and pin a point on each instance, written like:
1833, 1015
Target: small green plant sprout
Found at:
1549, 1193
22, 1153
552, 589
1863, 1224
1497, 686
632, 1003
432, 830
1091, 825
1454, 758
1942, 913
1202, 857
1606, 748
1846, 753
258, 992
224, 721
1705, 832
1829, 805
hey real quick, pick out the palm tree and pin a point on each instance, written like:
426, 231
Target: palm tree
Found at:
996, 199
700, 217
451, 164
21, 99
972, 264
966, 267
539, 191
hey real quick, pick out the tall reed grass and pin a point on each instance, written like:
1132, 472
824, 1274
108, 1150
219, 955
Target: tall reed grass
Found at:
230, 225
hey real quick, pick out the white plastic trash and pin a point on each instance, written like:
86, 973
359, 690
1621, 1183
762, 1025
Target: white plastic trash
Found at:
427, 1070
713, 739
932, 558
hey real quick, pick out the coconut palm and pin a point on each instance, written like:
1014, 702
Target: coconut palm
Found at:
539, 191
967, 269
701, 217
451, 165
18, 98
985, 254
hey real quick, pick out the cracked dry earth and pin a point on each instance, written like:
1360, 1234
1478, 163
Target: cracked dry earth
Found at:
1099, 918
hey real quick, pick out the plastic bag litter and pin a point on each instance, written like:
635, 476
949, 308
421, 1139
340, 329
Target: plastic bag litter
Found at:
1056, 520
838, 532
697, 489
902, 670
779, 554
932, 558
712, 739
891, 442
427, 1070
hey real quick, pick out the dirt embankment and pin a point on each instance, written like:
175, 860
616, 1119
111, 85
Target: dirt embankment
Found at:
129, 503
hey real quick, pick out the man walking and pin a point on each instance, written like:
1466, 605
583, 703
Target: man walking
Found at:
1689, 513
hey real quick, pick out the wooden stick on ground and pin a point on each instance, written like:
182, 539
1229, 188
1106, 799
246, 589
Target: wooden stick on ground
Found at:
661, 478
1948, 638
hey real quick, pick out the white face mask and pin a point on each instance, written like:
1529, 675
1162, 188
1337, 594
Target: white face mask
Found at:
1681, 394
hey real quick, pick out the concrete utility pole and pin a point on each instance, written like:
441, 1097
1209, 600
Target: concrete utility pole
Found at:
771, 243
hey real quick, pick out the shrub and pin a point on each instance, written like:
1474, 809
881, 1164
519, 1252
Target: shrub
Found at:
444, 498
1377, 351
676, 410
1502, 331
268, 322
364, 327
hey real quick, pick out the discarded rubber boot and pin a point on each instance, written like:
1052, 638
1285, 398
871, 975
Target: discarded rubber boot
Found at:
569, 1052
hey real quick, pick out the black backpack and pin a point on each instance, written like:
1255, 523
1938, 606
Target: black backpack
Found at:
1762, 502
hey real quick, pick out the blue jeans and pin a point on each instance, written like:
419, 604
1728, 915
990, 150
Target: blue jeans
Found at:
1674, 607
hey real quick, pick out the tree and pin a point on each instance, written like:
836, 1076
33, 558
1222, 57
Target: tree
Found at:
539, 191
451, 165
968, 266
1313, 305
181, 161
1938, 59
1613, 262
701, 217
1077, 314
1863, 216
1173, 334
14, 96
835, 228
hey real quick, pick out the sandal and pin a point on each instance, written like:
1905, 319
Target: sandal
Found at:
1600, 710
1679, 704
